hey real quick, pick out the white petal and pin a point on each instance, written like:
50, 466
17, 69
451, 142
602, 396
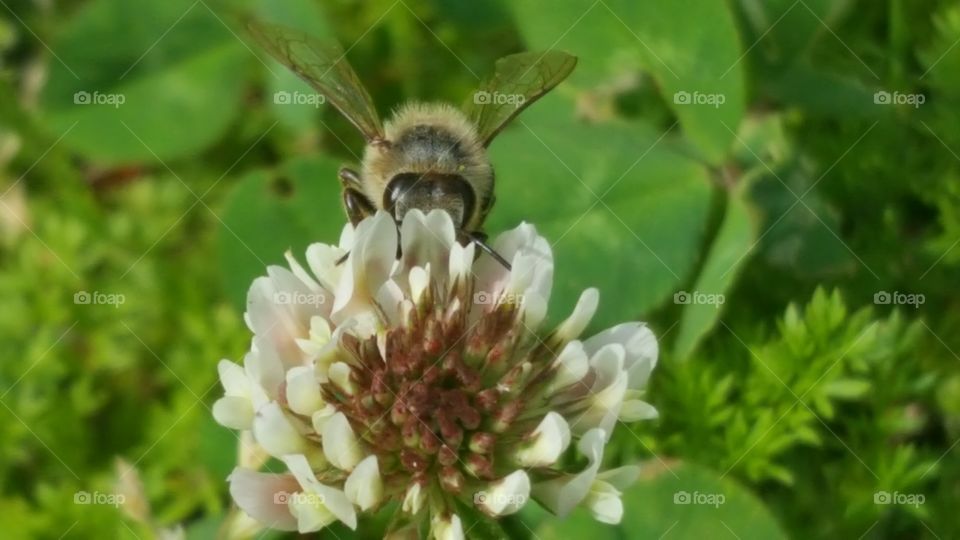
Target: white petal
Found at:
233, 379
301, 274
461, 261
364, 487
427, 239
446, 527
275, 433
369, 264
389, 297
257, 494
604, 498
311, 512
320, 417
331, 498
621, 477
635, 410
577, 322
607, 364
339, 373
523, 268
340, 445
507, 495
550, 440
347, 236
320, 335
419, 281
604, 406
640, 345
492, 277
561, 495
604, 503
263, 367
322, 260
414, 498
303, 391
571, 366
233, 412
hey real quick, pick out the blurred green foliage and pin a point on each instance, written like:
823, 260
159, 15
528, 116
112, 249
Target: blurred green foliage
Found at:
143, 157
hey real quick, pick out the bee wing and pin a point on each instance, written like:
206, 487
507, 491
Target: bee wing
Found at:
522, 78
324, 66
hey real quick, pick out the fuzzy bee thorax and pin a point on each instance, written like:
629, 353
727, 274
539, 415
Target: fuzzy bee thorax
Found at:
427, 138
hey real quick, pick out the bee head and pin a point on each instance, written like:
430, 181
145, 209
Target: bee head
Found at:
428, 191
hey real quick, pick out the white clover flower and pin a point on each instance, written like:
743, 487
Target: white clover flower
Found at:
421, 379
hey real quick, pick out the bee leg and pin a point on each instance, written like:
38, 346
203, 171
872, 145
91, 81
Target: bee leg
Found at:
480, 239
350, 178
356, 205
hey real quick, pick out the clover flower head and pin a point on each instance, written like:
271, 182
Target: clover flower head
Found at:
422, 379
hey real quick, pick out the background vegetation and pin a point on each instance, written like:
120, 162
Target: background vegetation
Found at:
820, 398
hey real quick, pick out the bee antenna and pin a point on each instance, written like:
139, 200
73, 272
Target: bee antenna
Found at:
480, 241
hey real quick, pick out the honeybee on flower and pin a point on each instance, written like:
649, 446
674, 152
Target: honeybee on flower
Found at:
404, 387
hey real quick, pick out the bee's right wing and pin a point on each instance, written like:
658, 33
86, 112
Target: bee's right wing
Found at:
324, 66
521, 79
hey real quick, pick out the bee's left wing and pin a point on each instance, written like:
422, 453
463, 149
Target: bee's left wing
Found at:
324, 66
518, 80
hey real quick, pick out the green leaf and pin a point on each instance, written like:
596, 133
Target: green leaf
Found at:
824, 93
849, 389
604, 45
689, 501
579, 524
622, 211
144, 81
787, 28
690, 47
727, 256
268, 214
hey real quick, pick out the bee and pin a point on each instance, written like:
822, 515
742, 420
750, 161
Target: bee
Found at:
428, 155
